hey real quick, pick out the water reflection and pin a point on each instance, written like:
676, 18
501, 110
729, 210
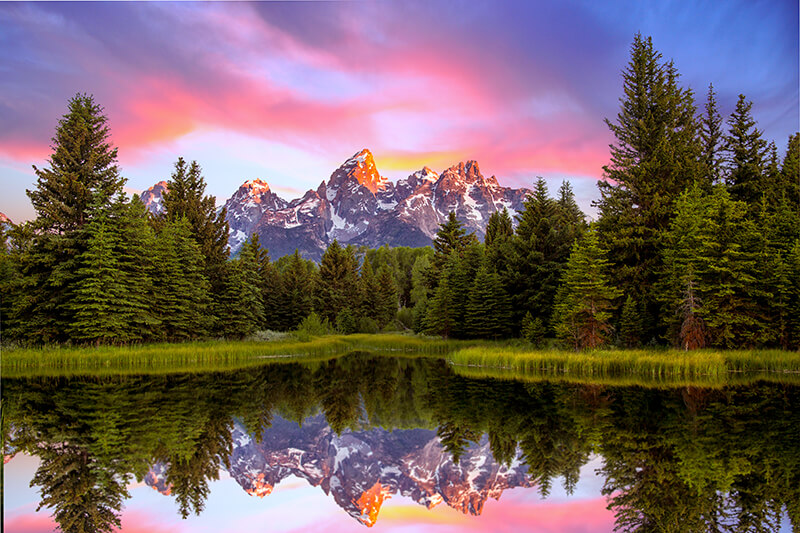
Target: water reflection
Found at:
364, 427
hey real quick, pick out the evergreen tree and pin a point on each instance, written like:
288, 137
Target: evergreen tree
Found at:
630, 324
746, 150
488, 310
99, 295
182, 298
298, 286
790, 171
533, 329
136, 242
586, 298
655, 156
547, 229
387, 303
368, 290
442, 313
241, 306
82, 169
793, 304
711, 141
337, 283
451, 237
498, 229
185, 198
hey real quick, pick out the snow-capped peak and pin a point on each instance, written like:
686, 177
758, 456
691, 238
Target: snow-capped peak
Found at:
256, 186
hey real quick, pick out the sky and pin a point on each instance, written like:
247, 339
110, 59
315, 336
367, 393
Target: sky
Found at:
286, 92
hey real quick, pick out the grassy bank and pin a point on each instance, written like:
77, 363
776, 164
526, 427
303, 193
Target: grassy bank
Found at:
206, 356
660, 366
473, 358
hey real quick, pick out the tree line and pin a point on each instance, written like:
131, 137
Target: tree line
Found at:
696, 243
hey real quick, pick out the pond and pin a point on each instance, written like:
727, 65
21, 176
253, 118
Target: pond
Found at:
367, 440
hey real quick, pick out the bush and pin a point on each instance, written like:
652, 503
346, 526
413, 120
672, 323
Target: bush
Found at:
533, 329
367, 325
313, 325
346, 323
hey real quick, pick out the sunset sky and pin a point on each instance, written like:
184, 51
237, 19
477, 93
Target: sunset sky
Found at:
286, 92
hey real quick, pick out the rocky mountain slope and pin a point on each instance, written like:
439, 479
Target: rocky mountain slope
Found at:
359, 206
361, 469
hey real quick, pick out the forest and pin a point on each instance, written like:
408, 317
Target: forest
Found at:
696, 244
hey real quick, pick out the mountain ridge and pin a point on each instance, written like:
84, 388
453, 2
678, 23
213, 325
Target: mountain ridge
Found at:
357, 205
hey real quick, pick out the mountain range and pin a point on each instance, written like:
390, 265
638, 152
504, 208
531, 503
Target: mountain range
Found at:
361, 469
358, 206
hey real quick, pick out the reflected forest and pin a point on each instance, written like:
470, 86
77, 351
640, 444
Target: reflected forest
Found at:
674, 459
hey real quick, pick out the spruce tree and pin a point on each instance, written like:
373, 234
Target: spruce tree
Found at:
82, 169
337, 283
451, 237
745, 150
655, 156
369, 299
533, 329
630, 324
488, 310
585, 300
443, 317
790, 171
182, 297
540, 248
298, 286
711, 141
99, 294
241, 306
185, 198
387, 303
793, 303
498, 229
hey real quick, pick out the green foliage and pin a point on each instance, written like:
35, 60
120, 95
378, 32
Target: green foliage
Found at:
539, 250
746, 150
241, 301
346, 322
630, 324
655, 157
711, 141
314, 325
337, 282
533, 329
386, 305
585, 300
488, 311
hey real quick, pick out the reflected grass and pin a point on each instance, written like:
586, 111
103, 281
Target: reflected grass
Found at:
629, 367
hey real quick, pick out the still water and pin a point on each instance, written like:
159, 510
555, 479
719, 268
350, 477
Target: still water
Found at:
395, 444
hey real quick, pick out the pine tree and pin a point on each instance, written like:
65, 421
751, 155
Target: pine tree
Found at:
711, 141
298, 285
241, 306
790, 171
451, 237
793, 303
546, 231
99, 294
337, 283
369, 299
82, 170
498, 229
185, 198
630, 324
533, 330
488, 310
656, 155
442, 316
586, 298
746, 150
182, 290
387, 304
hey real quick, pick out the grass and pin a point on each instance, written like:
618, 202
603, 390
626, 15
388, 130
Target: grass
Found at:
659, 366
206, 356
473, 358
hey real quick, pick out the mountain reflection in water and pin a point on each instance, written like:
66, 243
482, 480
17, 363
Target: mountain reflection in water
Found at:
365, 427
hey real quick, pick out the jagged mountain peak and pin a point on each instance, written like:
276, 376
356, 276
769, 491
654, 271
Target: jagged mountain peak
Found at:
466, 171
256, 185
4, 219
361, 167
152, 197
